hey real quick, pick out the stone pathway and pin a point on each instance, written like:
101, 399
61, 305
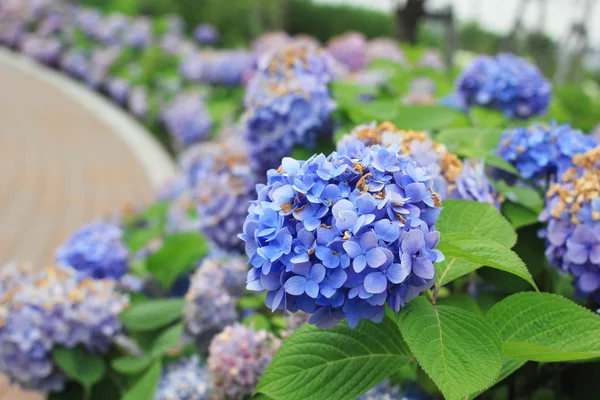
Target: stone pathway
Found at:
63, 163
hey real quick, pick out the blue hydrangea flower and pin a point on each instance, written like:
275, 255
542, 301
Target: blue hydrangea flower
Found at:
572, 212
350, 49
118, 90
206, 34
539, 151
138, 33
225, 67
383, 391
95, 251
506, 83
452, 178
184, 379
222, 185
238, 356
53, 308
74, 63
288, 104
368, 239
187, 119
111, 28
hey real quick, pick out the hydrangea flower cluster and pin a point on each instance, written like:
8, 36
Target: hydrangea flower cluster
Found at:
338, 236
187, 119
53, 308
238, 357
572, 212
287, 103
422, 92
138, 33
383, 48
452, 178
118, 90
383, 391
44, 50
74, 62
506, 83
95, 251
206, 34
223, 185
184, 379
349, 49
542, 150
211, 298
432, 59
137, 102
224, 67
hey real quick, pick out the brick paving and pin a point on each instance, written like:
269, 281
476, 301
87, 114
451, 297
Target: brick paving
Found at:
60, 167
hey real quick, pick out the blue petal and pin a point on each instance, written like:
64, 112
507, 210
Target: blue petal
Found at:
312, 289
397, 273
359, 263
375, 282
376, 257
296, 285
317, 273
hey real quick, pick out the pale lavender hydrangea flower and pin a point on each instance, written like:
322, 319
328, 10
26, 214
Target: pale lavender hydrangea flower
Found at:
349, 49
184, 379
238, 357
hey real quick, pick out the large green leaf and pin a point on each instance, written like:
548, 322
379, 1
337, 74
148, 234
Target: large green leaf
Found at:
177, 254
480, 219
545, 327
167, 340
508, 367
484, 251
145, 386
470, 142
524, 195
427, 117
463, 301
152, 314
459, 351
80, 365
519, 215
339, 363
129, 365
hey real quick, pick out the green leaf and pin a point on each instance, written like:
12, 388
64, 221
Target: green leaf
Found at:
480, 219
508, 367
519, 215
470, 142
494, 160
80, 365
258, 322
484, 251
167, 340
145, 386
459, 351
462, 301
252, 302
129, 365
545, 327
152, 314
339, 363
522, 195
177, 254
487, 118
347, 92
427, 117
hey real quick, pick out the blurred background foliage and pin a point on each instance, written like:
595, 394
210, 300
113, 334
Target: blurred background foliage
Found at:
576, 102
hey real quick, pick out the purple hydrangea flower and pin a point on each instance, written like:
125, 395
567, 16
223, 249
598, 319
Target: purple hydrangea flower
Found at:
238, 356
452, 178
183, 379
543, 150
209, 307
349, 49
187, 119
118, 90
138, 33
222, 185
95, 251
422, 92
383, 48
432, 59
11, 33
506, 83
44, 50
206, 34
74, 63
572, 212
225, 67
87, 19
49, 309
111, 28
369, 239
288, 103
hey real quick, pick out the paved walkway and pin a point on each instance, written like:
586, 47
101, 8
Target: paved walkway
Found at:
63, 163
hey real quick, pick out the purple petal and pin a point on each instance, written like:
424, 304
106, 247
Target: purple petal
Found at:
352, 248
413, 241
368, 240
588, 282
337, 278
416, 191
359, 263
270, 282
375, 282
376, 257
423, 268
296, 285
432, 239
396, 273
277, 299
387, 230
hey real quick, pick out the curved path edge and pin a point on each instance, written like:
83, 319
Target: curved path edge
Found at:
157, 163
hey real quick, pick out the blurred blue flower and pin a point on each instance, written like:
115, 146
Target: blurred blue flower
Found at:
507, 83
95, 251
540, 151
206, 34
287, 104
361, 247
184, 379
186, 119
350, 49
572, 213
